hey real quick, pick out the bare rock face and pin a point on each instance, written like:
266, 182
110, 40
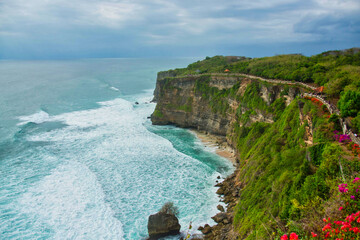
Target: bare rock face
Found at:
182, 101
222, 217
206, 229
163, 224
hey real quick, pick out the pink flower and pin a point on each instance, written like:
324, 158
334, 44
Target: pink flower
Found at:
353, 197
284, 237
294, 236
341, 208
342, 188
327, 226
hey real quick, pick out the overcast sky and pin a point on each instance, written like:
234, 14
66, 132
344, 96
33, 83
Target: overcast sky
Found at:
45, 29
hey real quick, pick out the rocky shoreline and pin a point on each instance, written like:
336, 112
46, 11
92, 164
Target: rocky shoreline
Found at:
229, 190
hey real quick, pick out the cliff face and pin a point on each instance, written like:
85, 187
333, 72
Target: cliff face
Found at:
288, 162
214, 103
179, 104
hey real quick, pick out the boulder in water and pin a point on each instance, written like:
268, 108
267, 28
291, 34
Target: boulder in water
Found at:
163, 224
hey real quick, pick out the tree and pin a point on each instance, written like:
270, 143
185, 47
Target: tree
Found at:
356, 123
349, 103
169, 208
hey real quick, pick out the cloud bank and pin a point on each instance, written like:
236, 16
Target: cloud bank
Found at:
141, 28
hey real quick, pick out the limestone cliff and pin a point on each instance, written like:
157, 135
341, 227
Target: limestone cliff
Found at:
214, 103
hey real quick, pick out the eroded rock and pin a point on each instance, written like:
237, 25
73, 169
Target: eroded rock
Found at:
162, 224
220, 208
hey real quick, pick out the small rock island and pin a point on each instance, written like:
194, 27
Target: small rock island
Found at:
164, 223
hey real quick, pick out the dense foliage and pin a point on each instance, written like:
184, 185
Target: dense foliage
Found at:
346, 222
289, 186
356, 123
337, 70
349, 103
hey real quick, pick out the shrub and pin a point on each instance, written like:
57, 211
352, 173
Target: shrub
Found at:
169, 208
334, 118
349, 104
356, 123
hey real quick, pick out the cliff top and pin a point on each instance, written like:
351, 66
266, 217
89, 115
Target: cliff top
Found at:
337, 70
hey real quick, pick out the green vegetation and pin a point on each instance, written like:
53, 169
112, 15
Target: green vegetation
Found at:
251, 98
337, 70
356, 123
335, 119
349, 103
185, 107
157, 113
208, 65
170, 208
218, 99
285, 180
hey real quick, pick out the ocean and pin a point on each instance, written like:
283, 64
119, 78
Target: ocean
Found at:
79, 158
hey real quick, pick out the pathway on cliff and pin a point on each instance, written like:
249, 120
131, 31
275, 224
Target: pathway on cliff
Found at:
332, 108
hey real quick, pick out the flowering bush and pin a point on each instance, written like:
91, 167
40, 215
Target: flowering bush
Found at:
341, 138
355, 149
314, 100
349, 227
341, 230
293, 236
342, 188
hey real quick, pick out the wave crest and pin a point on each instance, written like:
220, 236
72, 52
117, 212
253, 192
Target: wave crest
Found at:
38, 117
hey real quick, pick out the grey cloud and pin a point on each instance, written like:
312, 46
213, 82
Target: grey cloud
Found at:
140, 26
329, 26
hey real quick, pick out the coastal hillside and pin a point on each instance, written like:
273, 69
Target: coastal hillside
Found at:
295, 142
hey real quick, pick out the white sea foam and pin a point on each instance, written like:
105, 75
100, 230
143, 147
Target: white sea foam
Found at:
37, 118
115, 89
71, 201
110, 156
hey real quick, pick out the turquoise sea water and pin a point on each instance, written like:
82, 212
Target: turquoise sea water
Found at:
80, 160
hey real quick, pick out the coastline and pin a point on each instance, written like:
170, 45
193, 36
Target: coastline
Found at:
229, 190
219, 143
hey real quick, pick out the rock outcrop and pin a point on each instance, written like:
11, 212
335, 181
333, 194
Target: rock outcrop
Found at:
163, 224
215, 104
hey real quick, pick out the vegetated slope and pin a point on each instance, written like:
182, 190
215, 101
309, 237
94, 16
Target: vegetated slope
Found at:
337, 70
289, 163
289, 185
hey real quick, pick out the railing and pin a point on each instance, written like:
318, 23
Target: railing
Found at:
332, 109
